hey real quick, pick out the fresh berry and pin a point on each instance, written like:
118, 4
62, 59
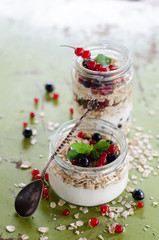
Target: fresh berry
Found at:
66, 212
94, 90
104, 209
103, 160
138, 194
38, 176
49, 87
97, 137
46, 197
103, 154
101, 105
25, 124
109, 89
27, 132
103, 91
83, 162
32, 115
71, 110
74, 162
46, 176
103, 69
79, 51
98, 67
85, 62
93, 222
112, 148
81, 135
92, 142
45, 191
99, 164
87, 83
96, 83
110, 141
119, 228
86, 54
111, 158
35, 172
36, 100
140, 204
111, 66
55, 96
91, 64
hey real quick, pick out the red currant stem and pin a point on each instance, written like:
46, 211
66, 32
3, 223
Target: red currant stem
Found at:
92, 104
67, 46
47, 184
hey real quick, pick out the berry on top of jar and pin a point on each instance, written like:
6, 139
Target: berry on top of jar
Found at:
90, 150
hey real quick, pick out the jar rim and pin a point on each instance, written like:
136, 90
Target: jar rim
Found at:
91, 170
109, 75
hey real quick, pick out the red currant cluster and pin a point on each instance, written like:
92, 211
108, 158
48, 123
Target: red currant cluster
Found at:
36, 175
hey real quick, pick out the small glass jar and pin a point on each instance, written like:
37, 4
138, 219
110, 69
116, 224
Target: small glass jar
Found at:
113, 88
93, 185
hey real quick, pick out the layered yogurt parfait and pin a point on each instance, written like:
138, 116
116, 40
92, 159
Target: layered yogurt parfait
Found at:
104, 72
92, 167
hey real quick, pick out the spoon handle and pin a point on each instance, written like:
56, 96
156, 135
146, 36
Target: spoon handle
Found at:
92, 104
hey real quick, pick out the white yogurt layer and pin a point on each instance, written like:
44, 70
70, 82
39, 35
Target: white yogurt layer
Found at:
87, 197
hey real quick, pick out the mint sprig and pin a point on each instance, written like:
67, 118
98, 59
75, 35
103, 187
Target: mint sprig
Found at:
103, 60
79, 149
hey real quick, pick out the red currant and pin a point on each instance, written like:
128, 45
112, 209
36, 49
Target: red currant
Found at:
93, 222
91, 64
79, 51
103, 91
66, 212
38, 176
103, 69
119, 228
111, 66
86, 54
99, 164
98, 67
35, 172
140, 204
55, 96
112, 148
74, 162
81, 135
45, 191
103, 154
109, 89
71, 110
46, 197
92, 142
104, 209
46, 176
32, 114
25, 124
36, 100
94, 90
103, 160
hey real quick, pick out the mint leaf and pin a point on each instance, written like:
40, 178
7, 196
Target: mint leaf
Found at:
103, 60
101, 146
95, 155
82, 148
73, 155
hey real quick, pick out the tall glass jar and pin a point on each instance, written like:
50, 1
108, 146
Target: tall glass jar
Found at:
113, 88
92, 185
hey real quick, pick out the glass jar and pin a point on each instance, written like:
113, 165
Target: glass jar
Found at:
113, 88
93, 185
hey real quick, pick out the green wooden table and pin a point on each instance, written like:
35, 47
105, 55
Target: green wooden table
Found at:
30, 56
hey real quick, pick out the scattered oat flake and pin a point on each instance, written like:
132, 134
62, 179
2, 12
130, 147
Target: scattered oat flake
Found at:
61, 227
147, 226
43, 238
41, 156
21, 185
34, 132
111, 229
145, 229
24, 237
146, 173
152, 112
83, 210
129, 189
79, 223
42, 114
70, 228
54, 219
10, 228
61, 202
52, 204
127, 205
25, 165
72, 206
82, 238
76, 215
33, 141
43, 229
56, 125
125, 214
133, 177
77, 232
155, 204
100, 237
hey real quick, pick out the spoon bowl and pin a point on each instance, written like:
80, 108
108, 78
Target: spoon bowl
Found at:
28, 198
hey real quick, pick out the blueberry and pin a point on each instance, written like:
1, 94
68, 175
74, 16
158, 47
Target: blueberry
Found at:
110, 141
97, 137
85, 62
111, 158
119, 125
49, 87
87, 84
27, 132
96, 83
83, 162
138, 194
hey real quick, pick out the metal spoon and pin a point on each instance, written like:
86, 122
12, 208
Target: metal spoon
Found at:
29, 197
